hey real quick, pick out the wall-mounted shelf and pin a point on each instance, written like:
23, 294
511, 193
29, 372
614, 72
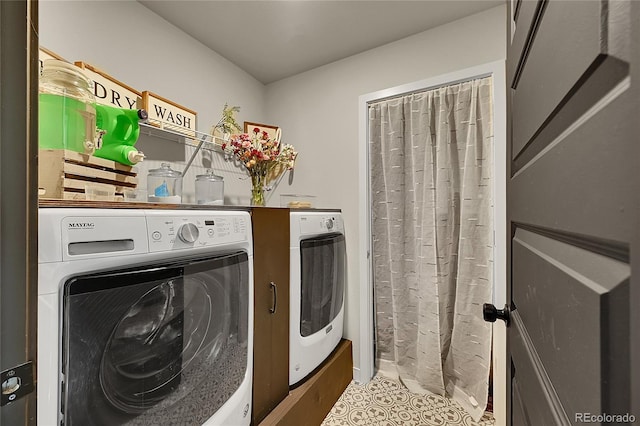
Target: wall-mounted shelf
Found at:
165, 142
153, 133
166, 131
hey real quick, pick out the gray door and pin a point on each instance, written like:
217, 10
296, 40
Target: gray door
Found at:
18, 209
572, 210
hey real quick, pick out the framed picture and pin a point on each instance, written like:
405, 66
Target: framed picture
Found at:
274, 132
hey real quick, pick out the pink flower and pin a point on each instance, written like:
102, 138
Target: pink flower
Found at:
246, 144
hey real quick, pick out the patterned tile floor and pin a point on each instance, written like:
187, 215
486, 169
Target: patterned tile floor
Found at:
386, 402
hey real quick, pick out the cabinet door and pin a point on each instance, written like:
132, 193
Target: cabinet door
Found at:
271, 313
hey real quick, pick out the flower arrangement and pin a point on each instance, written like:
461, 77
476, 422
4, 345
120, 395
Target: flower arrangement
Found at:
260, 156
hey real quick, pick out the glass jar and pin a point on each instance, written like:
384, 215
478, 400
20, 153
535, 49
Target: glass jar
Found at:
67, 111
164, 185
210, 189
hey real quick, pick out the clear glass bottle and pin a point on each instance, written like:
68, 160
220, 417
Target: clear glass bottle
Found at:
67, 111
164, 185
210, 189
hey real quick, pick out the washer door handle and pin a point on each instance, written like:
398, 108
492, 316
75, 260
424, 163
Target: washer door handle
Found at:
274, 305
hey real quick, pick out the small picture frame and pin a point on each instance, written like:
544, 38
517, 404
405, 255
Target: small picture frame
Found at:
274, 132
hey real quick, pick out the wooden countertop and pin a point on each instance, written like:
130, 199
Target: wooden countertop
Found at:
45, 203
48, 203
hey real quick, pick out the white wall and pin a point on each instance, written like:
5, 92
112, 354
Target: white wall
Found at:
318, 112
141, 49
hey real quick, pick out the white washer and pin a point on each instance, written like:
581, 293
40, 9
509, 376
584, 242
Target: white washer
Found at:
145, 317
317, 281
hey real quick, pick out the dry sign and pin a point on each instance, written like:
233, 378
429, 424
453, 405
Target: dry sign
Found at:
109, 91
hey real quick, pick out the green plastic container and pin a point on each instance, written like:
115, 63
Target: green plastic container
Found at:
122, 130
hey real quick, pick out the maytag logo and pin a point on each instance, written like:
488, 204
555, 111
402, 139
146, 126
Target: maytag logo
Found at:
81, 225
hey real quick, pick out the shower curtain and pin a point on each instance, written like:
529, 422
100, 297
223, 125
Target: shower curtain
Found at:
431, 190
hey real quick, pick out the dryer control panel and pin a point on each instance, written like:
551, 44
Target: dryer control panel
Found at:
184, 232
321, 224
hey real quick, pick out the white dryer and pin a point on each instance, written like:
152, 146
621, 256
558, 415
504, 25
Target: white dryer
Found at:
145, 317
317, 285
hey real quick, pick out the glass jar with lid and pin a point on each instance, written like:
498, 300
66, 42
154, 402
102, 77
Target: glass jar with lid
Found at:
66, 105
209, 189
164, 185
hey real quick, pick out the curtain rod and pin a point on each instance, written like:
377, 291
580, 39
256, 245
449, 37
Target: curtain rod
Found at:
427, 89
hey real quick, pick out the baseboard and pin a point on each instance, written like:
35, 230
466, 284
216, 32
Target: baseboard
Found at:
356, 375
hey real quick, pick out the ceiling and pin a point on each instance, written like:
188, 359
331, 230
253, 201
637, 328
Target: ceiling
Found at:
272, 40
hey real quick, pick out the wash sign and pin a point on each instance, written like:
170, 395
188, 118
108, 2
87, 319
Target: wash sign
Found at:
109, 91
167, 114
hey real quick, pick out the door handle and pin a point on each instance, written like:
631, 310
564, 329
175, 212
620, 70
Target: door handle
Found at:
491, 314
274, 304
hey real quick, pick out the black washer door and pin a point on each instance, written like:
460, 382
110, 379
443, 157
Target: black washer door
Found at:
157, 344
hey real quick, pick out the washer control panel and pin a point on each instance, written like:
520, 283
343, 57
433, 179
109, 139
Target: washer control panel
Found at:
183, 232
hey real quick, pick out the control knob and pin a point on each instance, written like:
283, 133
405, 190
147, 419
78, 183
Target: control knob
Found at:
188, 233
329, 223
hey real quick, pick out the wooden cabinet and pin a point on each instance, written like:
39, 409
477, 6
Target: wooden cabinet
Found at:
271, 309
